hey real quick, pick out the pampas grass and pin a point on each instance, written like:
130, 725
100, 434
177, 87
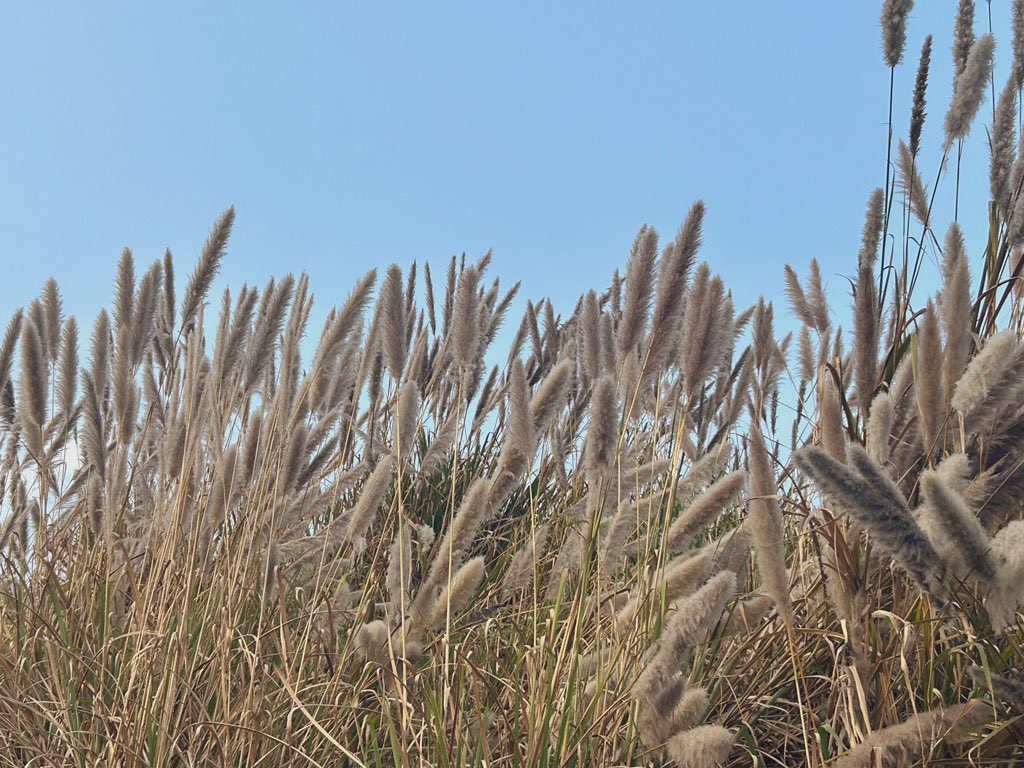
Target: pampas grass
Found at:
1003, 141
365, 511
707, 746
640, 272
400, 548
199, 281
1018, 43
7, 347
465, 323
984, 370
963, 36
399, 573
968, 542
866, 320
969, 89
911, 185
1007, 593
899, 745
830, 416
674, 272
999, 686
603, 432
692, 620
455, 596
894, 29
766, 524
880, 428
877, 504
34, 387
406, 418
705, 508
550, 397
393, 322
522, 567
917, 114
955, 307
928, 383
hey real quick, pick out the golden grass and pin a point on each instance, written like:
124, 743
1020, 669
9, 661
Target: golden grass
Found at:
395, 553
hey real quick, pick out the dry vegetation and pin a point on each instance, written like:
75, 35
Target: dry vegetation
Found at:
606, 551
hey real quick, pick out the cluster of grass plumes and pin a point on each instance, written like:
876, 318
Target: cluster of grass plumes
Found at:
910, 483
226, 538
214, 548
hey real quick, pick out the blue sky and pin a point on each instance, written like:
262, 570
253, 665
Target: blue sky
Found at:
352, 135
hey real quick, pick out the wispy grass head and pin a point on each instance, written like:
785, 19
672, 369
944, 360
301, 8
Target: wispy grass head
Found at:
894, 29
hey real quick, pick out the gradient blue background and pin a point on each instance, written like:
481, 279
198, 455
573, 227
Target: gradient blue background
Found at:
352, 135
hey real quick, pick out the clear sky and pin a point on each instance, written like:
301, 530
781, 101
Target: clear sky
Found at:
352, 135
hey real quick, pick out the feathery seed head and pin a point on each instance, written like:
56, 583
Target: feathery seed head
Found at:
703, 510
550, 397
34, 385
456, 596
603, 432
404, 437
1003, 145
999, 352
894, 29
911, 185
766, 523
969, 90
928, 381
393, 326
917, 113
640, 272
904, 743
370, 497
706, 746
880, 428
968, 542
963, 36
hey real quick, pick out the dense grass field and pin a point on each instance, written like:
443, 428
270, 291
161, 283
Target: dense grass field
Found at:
655, 531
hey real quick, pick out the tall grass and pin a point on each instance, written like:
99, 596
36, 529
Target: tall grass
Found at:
604, 552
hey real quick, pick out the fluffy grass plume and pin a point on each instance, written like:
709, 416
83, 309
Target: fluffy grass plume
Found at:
706, 746
676, 262
955, 305
918, 113
833, 436
866, 319
603, 433
420, 546
959, 526
705, 508
1003, 143
880, 428
999, 686
876, 503
963, 36
640, 272
689, 625
766, 524
902, 744
969, 89
983, 371
911, 184
1007, 593
894, 29
928, 380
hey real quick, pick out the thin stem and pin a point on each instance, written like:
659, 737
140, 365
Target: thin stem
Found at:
888, 182
956, 197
